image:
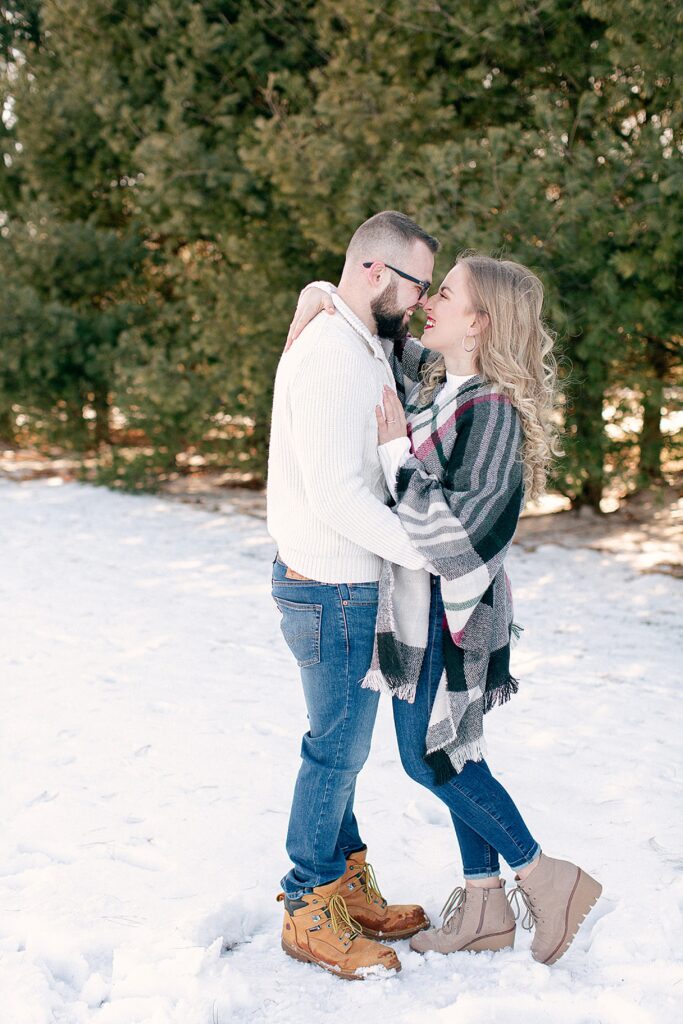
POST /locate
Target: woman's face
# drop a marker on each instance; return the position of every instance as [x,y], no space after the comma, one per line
[450,314]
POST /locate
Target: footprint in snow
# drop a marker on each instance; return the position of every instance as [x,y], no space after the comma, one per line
[235,922]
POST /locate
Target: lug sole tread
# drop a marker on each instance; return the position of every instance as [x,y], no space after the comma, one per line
[306,958]
[594,890]
[482,944]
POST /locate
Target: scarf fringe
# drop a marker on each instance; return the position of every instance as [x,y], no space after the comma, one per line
[515,634]
[377,681]
[445,766]
[501,694]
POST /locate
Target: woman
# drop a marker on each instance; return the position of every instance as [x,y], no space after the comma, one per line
[476,436]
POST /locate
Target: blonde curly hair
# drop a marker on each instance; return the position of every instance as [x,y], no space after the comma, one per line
[515,355]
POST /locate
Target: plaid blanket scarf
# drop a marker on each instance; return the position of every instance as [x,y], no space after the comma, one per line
[460,493]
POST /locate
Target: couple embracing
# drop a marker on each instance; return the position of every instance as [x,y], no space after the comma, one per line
[397,472]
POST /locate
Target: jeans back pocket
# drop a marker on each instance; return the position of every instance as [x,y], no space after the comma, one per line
[300,625]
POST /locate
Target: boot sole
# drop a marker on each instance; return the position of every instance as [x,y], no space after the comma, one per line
[307,958]
[585,895]
[395,936]
[492,943]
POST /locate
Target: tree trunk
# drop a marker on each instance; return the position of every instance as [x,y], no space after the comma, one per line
[590,493]
[101,407]
[651,439]
[590,441]
[7,425]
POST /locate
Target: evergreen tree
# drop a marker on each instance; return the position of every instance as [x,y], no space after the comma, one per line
[174,172]
[504,128]
[125,141]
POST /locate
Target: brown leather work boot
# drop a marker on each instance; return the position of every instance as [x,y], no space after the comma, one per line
[557,896]
[318,929]
[474,919]
[377,918]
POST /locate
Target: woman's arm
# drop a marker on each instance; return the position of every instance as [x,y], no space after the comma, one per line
[406,358]
[392,437]
[392,455]
[313,299]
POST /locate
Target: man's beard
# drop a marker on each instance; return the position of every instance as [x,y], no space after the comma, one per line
[389,320]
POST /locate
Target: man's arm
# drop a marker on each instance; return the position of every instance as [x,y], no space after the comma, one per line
[331,402]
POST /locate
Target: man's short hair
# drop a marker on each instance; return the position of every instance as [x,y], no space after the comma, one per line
[388,236]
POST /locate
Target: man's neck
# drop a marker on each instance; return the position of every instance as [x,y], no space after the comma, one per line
[358,306]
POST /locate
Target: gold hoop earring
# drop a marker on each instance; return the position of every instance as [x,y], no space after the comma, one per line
[465,346]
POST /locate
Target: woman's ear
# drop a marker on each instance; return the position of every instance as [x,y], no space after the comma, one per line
[479,324]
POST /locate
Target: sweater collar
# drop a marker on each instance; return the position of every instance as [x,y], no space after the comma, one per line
[371,340]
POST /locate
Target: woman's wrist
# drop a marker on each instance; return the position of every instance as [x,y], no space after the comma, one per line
[400,444]
[323,286]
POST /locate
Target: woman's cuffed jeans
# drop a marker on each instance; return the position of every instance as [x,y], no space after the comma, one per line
[486,821]
[330,630]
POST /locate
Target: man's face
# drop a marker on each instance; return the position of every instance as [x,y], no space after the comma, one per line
[390,318]
[393,308]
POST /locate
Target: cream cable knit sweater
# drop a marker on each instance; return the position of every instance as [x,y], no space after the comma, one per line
[326,491]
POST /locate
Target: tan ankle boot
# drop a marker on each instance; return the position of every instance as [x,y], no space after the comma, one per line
[475,919]
[557,896]
[317,929]
[377,918]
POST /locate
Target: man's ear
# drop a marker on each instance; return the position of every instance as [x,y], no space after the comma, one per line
[375,272]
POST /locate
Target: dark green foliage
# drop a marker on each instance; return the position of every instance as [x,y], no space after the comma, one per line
[134,240]
[175,171]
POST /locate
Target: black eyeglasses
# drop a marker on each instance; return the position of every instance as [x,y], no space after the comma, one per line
[424,285]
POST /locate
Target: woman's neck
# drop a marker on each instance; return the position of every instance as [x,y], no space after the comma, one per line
[460,364]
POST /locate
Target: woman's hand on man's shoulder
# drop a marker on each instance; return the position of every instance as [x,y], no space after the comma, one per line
[312,300]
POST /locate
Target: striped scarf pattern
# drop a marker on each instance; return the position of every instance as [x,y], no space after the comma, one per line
[460,494]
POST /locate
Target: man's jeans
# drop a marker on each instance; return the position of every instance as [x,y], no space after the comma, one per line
[486,820]
[330,630]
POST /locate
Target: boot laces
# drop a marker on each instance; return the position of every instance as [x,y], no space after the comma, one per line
[341,919]
[453,909]
[530,911]
[368,881]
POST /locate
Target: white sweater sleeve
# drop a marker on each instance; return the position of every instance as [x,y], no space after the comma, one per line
[324,286]
[392,455]
[330,402]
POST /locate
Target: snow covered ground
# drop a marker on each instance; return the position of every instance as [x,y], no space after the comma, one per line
[149,739]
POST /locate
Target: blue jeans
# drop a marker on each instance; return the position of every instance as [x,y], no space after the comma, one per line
[330,629]
[487,822]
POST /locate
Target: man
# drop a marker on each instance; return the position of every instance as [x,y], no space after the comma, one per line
[327,512]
